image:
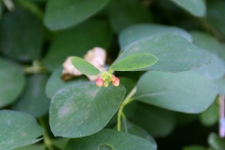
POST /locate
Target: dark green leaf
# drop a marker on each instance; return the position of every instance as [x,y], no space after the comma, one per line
[195,7]
[84,67]
[141,31]
[78,111]
[174,53]
[34,101]
[21,36]
[67,13]
[108,140]
[55,83]
[17,129]
[60,143]
[216,142]
[195,147]
[135,62]
[122,14]
[77,41]
[31,147]
[12,81]
[186,92]
[156,121]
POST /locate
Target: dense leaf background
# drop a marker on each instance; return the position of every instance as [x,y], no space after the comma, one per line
[168,54]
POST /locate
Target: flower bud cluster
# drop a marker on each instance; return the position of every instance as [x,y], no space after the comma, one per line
[106,78]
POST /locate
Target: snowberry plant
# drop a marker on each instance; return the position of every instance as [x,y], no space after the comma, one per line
[112,75]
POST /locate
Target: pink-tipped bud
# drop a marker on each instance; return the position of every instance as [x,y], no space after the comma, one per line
[113,78]
[99,82]
[116,82]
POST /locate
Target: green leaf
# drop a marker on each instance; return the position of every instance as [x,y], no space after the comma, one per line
[221,85]
[141,31]
[83,109]
[60,143]
[130,128]
[84,67]
[34,101]
[55,83]
[77,41]
[215,70]
[109,139]
[195,7]
[122,14]
[216,142]
[17,129]
[67,13]
[195,147]
[210,116]
[128,83]
[174,53]
[134,62]
[216,15]
[12,76]
[21,36]
[156,121]
[207,42]
[31,147]
[186,92]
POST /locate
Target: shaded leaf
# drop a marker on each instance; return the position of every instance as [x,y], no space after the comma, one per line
[108,139]
[21,36]
[31,147]
[122,14]
[174,53]
[77,41]
[186,92]
[156,121]
[34,101]
[195,7]
[134,62]
[195,147]
[84,67]
[18,129]
[78,111]
[12,81]
[141,31]
[67,13]
[216,142]
[60,143]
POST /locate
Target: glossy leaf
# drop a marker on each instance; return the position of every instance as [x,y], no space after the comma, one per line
[34,101]
[12,76]
[211,115]
[122,14]
[67,13]
[130,128]
[108,139]
[216,142]
[17,129]
[79,111]
[195,7]
[84,67]
[21,35]
[134,62]
[186,92]
[156,121]
[55,83]
[141,31]
[216,15]
[77,41]
[174,53]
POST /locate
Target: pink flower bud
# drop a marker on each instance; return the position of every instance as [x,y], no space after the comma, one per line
[116,82]
[99,82]
[113,78]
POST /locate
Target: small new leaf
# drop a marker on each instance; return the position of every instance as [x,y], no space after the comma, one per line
[84,67]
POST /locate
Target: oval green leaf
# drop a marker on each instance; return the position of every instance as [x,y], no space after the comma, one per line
[108,140]
[195,7]
[17,130]
[83,110]
[216,142]
[34,101]
[186,92]
[174,53]
[134,62]
[12,76]
[84,67]
[67,13]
